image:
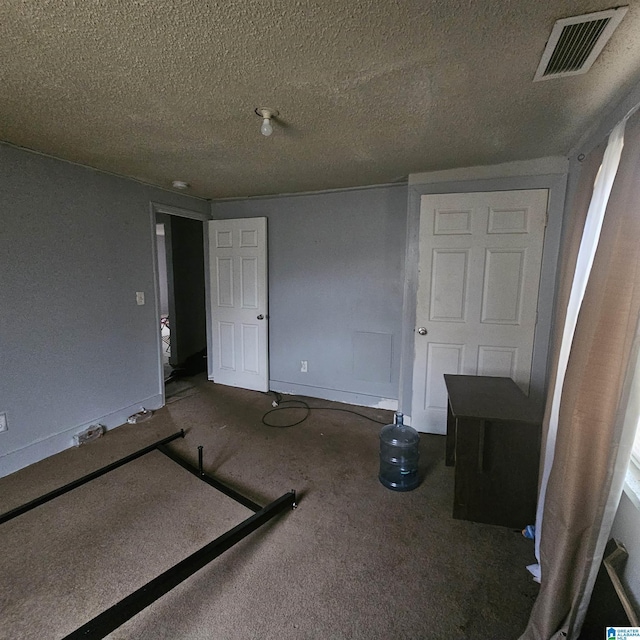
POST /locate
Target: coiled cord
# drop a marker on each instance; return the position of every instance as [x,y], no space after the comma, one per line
[301,404]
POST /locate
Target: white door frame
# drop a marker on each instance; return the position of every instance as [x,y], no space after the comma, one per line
[544,173]
[480,318]
[154,209]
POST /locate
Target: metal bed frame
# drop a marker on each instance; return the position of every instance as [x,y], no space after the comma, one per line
[118,614]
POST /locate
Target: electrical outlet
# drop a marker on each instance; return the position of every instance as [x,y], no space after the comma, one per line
[3,422]
[91,433]
[304,366]
[140,297]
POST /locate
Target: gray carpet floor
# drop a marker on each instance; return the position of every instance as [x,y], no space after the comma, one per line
[354,560]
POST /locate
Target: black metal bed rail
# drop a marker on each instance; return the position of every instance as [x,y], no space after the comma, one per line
[216,484]
[118,614]
[18,511]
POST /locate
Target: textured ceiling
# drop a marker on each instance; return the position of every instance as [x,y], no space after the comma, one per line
[368,90]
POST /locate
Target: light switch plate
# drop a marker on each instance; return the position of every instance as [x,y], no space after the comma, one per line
[140,297]
[3,422]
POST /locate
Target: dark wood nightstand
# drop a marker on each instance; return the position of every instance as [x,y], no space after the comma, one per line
[493,439]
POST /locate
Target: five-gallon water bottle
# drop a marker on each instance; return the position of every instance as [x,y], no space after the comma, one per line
[399,455]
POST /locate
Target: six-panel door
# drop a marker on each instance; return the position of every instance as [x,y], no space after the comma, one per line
[238,303]
[480,259]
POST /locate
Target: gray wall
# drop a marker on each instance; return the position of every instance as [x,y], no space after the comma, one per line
[335,290]
[75,246]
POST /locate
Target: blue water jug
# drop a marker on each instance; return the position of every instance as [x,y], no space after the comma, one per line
[399,454]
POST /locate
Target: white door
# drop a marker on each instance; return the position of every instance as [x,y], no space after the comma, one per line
[480,259]
[238,300]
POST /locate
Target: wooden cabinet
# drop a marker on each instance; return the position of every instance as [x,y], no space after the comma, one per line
[493,439]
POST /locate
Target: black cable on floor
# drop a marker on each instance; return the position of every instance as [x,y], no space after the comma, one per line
[301,404]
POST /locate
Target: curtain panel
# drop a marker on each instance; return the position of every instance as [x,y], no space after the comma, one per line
[585,481]
[570,246]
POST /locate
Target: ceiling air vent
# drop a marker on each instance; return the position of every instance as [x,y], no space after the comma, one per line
[576,42]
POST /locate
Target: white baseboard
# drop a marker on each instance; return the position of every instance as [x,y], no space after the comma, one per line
[348,397]
[55,443]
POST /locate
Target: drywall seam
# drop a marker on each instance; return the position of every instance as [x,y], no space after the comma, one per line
[103,171]
[520,168]
[271,196]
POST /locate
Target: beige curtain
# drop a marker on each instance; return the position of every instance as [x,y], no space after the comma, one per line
[585,477]
[570,246]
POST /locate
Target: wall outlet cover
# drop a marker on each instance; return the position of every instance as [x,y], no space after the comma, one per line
[91,433]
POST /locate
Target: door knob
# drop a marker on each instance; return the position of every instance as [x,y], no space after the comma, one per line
[422,331]
[260,317]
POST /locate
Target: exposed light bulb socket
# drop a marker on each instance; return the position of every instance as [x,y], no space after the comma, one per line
[266,114]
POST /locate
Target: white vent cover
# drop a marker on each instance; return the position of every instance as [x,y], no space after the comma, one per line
[576,42]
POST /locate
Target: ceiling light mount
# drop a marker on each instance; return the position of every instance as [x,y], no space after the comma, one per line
[267,114]
[180,184]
